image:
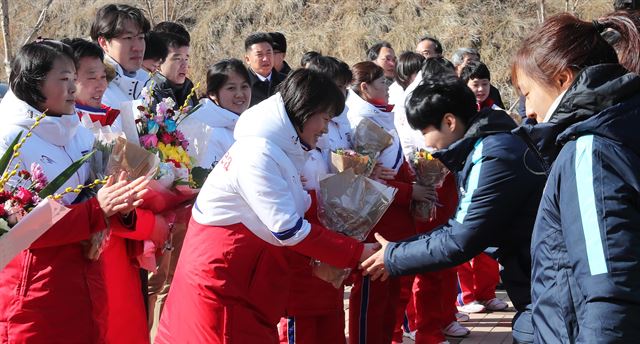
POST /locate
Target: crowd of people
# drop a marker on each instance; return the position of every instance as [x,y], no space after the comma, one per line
[543,202]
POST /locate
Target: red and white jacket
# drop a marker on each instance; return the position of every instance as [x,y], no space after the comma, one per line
[51,291]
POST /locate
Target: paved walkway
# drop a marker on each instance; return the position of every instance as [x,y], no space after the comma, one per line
[486,328]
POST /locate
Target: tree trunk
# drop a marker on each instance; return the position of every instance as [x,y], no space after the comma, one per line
[4,8]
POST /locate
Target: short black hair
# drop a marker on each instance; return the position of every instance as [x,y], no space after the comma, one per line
[174,28]
[279,41]
[31,66]
[172,40]
[306,92]
[436,67]
[307,57]
[257,37]
[374,50]
[409,63]
[83,48]
[434,41]
[110,19]
[474,70]
[335,69]
[438,96]
[156,47]
[218,74]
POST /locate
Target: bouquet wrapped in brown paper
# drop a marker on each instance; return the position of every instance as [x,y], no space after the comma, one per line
[429,172]
[350,204]
[370,139]
[344,159]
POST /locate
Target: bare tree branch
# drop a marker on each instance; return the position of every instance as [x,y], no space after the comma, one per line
[39,23]
[151,14]
[5,35]
[165,10]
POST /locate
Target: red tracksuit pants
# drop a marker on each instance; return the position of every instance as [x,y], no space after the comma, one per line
[430,308]
[478,279]
[326,328]
[230,287]
[373,309]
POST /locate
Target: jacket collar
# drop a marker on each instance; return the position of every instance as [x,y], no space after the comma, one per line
[55,130]
[486,122]
[595,89]
[362,108]
[269,120]
[214,116]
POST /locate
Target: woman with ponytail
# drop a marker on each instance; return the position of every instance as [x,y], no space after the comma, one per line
[585,252]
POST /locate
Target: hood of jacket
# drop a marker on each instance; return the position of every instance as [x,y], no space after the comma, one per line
[269,120]
[486,122]
[56,130]
[598,95]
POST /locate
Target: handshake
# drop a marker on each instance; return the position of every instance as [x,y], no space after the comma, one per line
[371,263]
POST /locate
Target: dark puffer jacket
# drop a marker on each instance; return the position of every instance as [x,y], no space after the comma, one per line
[501,184]
[586,241]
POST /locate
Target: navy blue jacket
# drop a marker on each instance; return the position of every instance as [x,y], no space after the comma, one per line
[502,182]
[586,240]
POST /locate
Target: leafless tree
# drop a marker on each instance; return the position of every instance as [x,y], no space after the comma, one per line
[6,36]
[39,23]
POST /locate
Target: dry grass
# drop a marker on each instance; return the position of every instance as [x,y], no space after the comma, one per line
[340,28]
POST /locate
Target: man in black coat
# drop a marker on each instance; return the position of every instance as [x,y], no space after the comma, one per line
[259,57]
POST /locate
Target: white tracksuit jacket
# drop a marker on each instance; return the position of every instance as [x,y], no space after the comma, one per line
[257,182]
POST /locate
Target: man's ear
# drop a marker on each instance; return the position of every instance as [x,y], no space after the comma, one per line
[564,79]
[450,122]
[103,43]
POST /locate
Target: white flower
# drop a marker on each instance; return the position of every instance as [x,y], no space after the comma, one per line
[4,226]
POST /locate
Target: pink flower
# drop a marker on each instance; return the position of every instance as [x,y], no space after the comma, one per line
[149,141]
[38,177]
[23,195]
[161,108]
[159,118]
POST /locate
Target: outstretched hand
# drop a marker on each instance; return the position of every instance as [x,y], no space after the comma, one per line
[374,265]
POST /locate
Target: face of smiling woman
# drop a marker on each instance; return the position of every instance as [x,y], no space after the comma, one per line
[314,127]
[59,88]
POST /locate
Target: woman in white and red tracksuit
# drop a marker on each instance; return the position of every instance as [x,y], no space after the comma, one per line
[372,305]
[53,291]
[232,279]
[315,308]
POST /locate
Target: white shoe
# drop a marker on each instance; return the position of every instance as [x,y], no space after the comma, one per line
[495,304]
[456,330]
[445,342]
[411,335]
[462,317]
[473,307]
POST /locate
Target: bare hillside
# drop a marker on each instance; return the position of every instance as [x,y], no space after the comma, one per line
[342,28]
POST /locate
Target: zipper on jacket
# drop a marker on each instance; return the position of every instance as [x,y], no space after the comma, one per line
[532,146]
[24,277]
[80,181]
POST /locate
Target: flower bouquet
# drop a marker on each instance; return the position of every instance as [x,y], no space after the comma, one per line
[370,139]
[429,172]
[344,159]
[350,204]
[28,203]
[174,188]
